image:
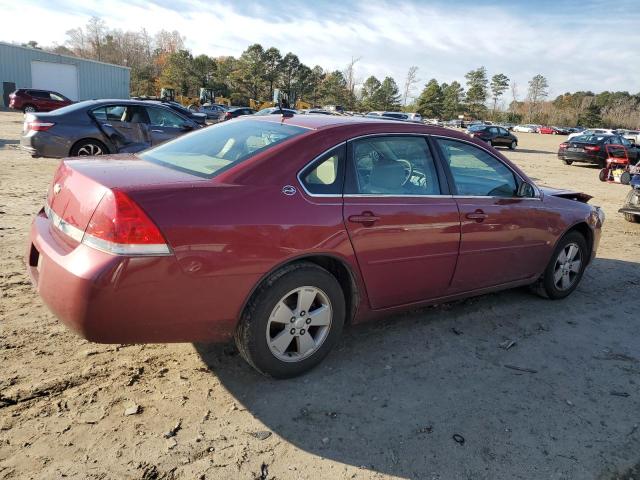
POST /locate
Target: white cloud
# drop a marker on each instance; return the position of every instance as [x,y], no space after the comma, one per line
[577,47]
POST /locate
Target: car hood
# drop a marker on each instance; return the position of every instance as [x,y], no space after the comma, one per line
[568,194]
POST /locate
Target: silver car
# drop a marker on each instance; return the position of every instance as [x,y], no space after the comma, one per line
[98,127]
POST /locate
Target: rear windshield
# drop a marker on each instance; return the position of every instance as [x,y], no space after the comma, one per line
[209,151]
[477,128]
[588,138]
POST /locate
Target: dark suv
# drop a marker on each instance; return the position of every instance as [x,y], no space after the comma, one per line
[31,100]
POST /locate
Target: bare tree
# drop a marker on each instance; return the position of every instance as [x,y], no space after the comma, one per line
[514,96]
[412,79]
[350,74]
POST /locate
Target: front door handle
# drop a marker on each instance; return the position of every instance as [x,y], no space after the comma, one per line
[365,218]
[157,131]
[478,215]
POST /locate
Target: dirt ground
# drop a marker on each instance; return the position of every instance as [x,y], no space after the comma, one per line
[385,404]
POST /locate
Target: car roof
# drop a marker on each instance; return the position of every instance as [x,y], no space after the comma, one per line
[317,121]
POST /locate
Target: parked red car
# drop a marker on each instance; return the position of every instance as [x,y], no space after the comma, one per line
[547,130]
[32,100]
[278,231]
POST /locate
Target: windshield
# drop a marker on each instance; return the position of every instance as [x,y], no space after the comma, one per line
[212,150]
[476,128]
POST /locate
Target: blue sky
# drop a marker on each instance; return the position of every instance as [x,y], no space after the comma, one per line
[577,45]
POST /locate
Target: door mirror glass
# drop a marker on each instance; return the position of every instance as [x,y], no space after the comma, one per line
[526,190]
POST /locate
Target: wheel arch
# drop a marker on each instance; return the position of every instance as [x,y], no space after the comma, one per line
[74,144]
[335,265]
[585,230]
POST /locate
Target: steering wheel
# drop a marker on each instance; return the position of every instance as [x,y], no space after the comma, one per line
[408,168]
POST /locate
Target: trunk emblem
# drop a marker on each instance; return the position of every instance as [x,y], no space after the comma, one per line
[57,188]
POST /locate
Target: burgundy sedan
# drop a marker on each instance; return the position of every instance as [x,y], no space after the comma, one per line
[278,231]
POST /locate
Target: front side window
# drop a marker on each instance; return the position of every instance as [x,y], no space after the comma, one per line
[211,150]
[163,117]
[325,175]
[475,172]
[392,165]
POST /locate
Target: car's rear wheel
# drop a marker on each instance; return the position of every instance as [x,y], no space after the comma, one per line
[513,145]
[292,322]
[567,162]
[630,217]
[29,108]
[565,269]
[88,147]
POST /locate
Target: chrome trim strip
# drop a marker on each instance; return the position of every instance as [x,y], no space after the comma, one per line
[62,225]
[159,249]
[155,249]
[386,195]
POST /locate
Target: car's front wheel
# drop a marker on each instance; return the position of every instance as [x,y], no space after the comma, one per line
[292,322]
[513,145]
[565,269]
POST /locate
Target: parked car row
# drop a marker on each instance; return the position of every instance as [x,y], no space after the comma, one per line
[595,148]
[494,135]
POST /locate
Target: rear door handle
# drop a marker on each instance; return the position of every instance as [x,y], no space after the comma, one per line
[366,218]
[158,131]
[478,215]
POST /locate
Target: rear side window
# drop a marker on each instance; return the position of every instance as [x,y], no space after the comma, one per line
[211,150]
[39,94]
[325,175]
[475,172]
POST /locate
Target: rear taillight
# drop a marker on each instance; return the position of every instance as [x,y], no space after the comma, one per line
[564,145]
[228,116]
[120,226]
[592,148]
[39,126]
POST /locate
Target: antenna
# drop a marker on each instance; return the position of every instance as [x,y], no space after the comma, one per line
[277,98]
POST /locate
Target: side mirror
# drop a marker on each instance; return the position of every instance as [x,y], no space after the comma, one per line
[526,190]
[185,127]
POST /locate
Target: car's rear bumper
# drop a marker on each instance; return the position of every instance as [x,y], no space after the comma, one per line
[579,157]
[45,144]
[118,299]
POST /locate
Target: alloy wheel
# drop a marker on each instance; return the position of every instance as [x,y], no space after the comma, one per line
[567,266]
[299,324]
[29,109]
[90,149]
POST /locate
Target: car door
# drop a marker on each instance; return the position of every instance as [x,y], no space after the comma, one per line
[166,125]
[632,150]
[504,236]
[505,137]
[124,126]
[403,223]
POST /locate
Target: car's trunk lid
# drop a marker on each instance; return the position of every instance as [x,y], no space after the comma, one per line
[79,184]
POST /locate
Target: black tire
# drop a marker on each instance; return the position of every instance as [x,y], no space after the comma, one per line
[251,334]
[546,286]
[603,175]
[29,108]
[513,145]
[630,217]
[567,162]
[84,147]
[625,178]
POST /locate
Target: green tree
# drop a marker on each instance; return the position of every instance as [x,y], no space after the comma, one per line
[177,72]
[591,117]
[499,85]
[333,90]
[371,94]
[289,67]
[272,68]
[452,100]
[389,94]
[430,102]
[538,91]
[203,70]
[249,74]
[477,91]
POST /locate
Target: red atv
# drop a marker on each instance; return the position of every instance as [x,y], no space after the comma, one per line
[617,169]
